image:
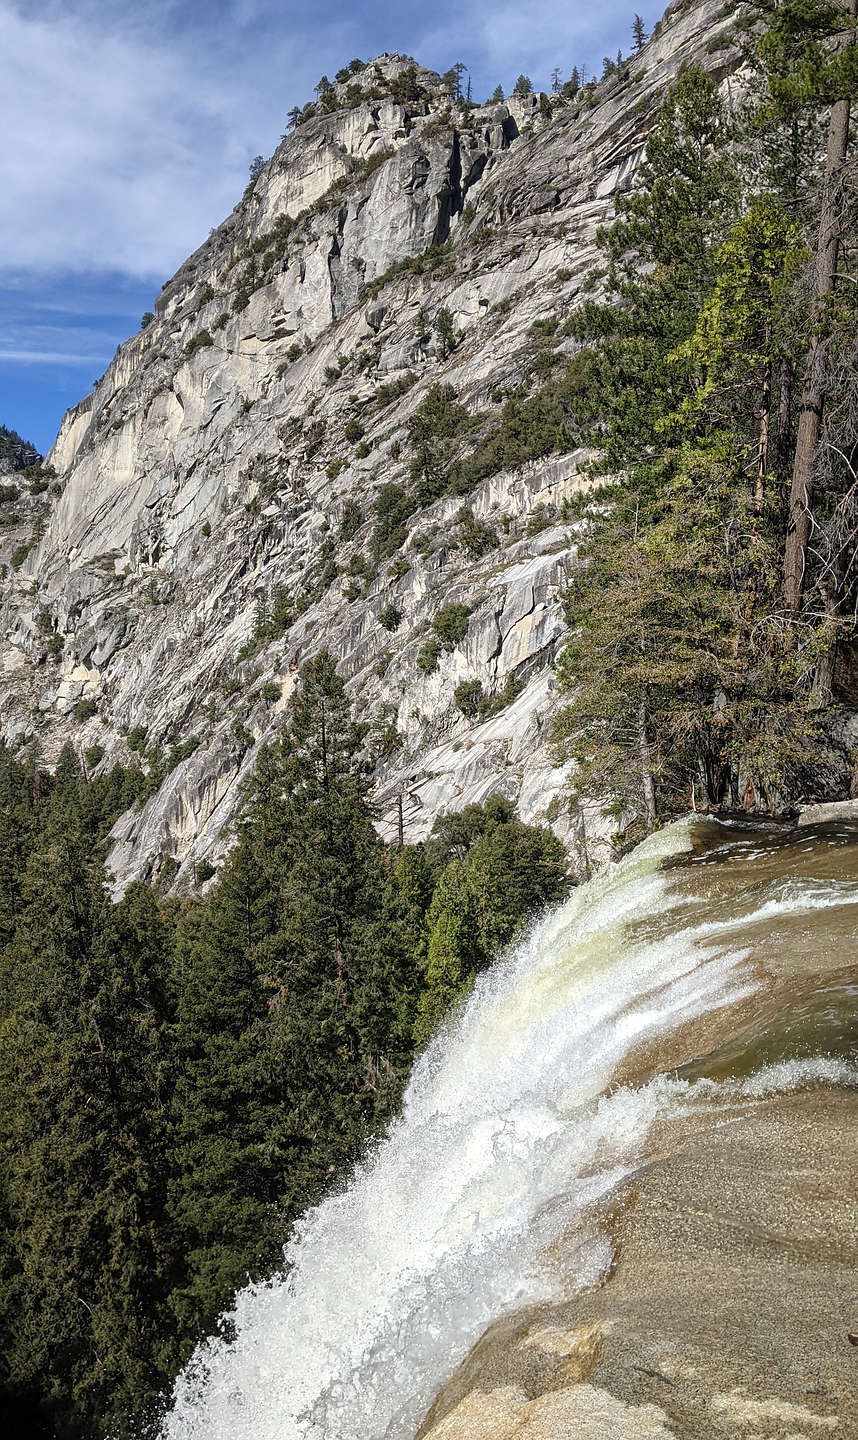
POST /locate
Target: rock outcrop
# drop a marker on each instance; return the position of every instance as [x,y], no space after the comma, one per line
[728,1312]
[729,1306]
[241,452]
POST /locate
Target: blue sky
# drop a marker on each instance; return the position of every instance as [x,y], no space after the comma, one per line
[128,127]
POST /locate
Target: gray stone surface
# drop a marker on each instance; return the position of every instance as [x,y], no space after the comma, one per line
[834,810]
[196,477]
[727,1312]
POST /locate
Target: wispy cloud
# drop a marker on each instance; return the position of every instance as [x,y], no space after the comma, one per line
[125,138]
[128,126]
[43,357]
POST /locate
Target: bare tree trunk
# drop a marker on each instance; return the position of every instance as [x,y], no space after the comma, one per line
[824,677]
[645,754]
[763,433]
[816,363]
[784,406]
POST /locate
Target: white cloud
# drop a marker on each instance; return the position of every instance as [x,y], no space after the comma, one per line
[122,145]
[45,357]
[128,124]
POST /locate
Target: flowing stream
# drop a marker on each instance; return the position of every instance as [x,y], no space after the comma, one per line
[511,1128]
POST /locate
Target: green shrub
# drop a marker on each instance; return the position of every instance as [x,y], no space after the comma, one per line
[85,709]
[201,341]
[359,565]
[530,426]
[391,390]
[93,755]
[438,423]
[493,872]
[450,625]
[539,520]
[269,692]
[428,655]
[477,537]
[438,258]
[314,438]
[335,468]
[390,617]
[180,751]
[351,520]
[393,506]
[354,431]
[469,697]
[136,738]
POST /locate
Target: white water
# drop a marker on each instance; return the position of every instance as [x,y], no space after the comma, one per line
[507,1138]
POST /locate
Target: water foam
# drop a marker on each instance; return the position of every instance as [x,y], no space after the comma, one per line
[506,1140]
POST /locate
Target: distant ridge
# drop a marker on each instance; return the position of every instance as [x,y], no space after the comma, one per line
[15,452]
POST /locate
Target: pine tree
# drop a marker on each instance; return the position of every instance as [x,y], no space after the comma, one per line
[452,79]
[805,65]
[283,1003]
[831,77]
[84,1097]
[19,797]
[661,258]
[501,872]
[639,35]
[660,255]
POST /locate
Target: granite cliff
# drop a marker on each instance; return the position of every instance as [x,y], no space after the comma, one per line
[233,494]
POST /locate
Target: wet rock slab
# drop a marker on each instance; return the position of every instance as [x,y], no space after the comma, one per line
[729,1307]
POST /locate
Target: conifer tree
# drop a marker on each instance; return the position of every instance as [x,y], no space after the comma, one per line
[84,1096]
[661,258]
[502,873]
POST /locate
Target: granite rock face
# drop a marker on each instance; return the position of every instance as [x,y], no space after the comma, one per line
[728,1312]
[235,447]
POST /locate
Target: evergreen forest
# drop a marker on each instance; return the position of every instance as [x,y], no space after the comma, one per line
[179,1080]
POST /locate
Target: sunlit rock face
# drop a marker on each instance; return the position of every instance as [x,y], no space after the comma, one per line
[217,460]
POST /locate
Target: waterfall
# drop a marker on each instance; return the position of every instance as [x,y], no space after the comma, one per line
[510,1132]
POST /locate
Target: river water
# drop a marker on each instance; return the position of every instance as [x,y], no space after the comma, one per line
[723,953]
